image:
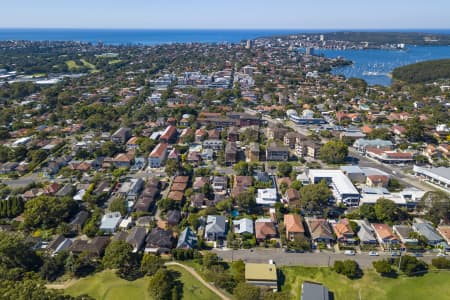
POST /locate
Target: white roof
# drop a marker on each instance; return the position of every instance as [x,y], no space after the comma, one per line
[266,196]
[341,182]
[243,225]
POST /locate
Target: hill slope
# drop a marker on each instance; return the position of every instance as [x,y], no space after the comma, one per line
[423,72]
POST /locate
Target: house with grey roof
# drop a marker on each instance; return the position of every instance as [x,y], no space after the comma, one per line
[215,228]
[187,239]
[110,221]
[362,144]
[404,233]
[425,229]
[366,234]
[136,238]
[314,291]
[244,225]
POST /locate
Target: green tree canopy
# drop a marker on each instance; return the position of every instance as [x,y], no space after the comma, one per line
[333,152]
[48,212]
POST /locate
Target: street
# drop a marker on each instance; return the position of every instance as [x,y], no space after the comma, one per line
[282,258]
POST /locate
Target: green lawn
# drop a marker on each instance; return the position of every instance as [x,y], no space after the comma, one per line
[107,286]
[114,61]
[371,287]
[72,65]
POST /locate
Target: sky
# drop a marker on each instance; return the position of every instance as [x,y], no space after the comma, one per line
[229,14]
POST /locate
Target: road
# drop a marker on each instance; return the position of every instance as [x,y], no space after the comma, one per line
[217,291]
[281,258]
[363,161]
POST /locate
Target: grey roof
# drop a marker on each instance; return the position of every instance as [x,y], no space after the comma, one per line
[314,291]
[137,236]
[427,231]
[215,223]
[365,232]
[187,239]
[352,170]
[243,226]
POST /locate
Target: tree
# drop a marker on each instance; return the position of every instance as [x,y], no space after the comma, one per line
[160,285]
[118,204]
[436,205]
[367,211]
[172,167]
[209,259]
[150,264]
[333,152]
[48,211]
[117,254]
[314,196]
[380,133]
[386,210]
[109,149]
[383,267]
[441,263]
[246,200]
[243,169]
[284,169]
[296,185]
[411,266]
[245,291]
[415,130]
[349,268]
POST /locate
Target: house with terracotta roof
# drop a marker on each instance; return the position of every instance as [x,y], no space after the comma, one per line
[385,235]
[444,231]
[264,229]
[390,157]
[132,143]
[169,135]
[158,156]
[294,227]
[381,181]
[344,233]
[123,160]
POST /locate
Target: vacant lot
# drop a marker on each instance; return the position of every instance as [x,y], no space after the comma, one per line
[371,286]
[107,286]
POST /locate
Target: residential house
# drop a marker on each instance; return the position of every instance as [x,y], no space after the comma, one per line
[427,230]
[294,227]
[267,196]
[404,233]
[320,230]
[385,235]
[344,232]
[169,135]
[242,226]
[136,238]
[215,228]
[366,234]
[187,239]
[293,198]
[215,145]
[314,291]
[232,134]
[264,229]
[110,221]
[158,156]
[381,181]
[262,275]
[132,143]
[95,246]
[252,152]
[200,182]
[77,223]
[220,184]
[121,136]
[173,217]
[58,244]
[277,153]
[230,153]
[444,231]
[123,160]
[159,241]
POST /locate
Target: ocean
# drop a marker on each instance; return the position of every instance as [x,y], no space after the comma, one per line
[371,65]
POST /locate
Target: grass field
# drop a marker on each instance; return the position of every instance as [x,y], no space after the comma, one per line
[107,286]
[371,286]
[72,65]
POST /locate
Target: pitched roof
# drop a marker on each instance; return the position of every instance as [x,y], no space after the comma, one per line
[293,223]
[187,239]
[264,228]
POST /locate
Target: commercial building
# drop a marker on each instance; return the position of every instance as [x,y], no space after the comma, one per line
[343,189]
[439,176]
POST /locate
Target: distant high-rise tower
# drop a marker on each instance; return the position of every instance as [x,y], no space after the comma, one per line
[249,44]
[309,51]
[322,38]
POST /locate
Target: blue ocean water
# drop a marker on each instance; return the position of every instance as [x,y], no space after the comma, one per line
[371,65]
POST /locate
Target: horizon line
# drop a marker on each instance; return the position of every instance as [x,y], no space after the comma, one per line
[211,29]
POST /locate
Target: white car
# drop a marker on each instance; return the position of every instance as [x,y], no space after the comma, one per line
[441,254]
[349,252]
[373,253]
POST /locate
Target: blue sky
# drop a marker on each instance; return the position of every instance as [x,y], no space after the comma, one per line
[229,14]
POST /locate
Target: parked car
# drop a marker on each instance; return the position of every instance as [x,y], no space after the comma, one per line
[349,252]
[441,254]
[373,253]
[418,254]
[395,253]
